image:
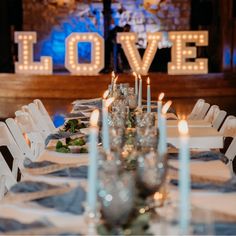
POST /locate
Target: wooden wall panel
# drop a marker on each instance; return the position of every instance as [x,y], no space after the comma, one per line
[66,86]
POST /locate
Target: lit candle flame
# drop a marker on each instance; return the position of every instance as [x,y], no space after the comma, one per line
[139,76]
[105,95]
[148,81]
[135,74]
[183,127]
[181,116]
[166,107]
[109,101]
[94,118]
[161,96]
[158,196]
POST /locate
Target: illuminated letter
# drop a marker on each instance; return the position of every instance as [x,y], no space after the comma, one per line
[26,65]
[138,65]
[97,51]
[180,52]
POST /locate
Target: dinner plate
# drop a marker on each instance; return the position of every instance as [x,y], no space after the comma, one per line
[83,108]
[85,131]
[64,158]
[84,101]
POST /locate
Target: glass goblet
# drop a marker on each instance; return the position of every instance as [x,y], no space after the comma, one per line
[151,173]
[117,198]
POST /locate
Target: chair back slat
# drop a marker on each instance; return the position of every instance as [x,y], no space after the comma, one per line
[228,129]
[202,112]
[33,133]
[20,139]
[212,113]
[45,114]
[218,119]
[6,139]
[196,109]
[7,179]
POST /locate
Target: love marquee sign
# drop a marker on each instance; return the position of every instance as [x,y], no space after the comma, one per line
[180,53]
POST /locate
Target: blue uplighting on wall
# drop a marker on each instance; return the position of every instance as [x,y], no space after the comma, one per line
[234,58]
[58,120]
[54,44]
[227,56]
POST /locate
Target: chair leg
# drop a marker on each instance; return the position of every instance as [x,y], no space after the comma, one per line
[2,186]
[15,167]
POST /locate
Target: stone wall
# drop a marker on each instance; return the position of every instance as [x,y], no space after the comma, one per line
[54,20]
[42,15]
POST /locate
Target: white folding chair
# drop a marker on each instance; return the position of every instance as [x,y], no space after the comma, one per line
[213,111]
[218,119]
[7,179]
[196,109]
[231,154]
[27,127]
[45,114]
[202,112]
[20,138]
[37,119]
[6,139]
[228,129]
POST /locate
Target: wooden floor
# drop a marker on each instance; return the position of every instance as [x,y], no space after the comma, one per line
[58,91]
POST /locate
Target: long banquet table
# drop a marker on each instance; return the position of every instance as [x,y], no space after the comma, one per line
[222,205]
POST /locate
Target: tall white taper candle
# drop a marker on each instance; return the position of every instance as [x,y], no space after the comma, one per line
[93,154]
[148,95]
[159,108]
[162,146]
[140,93]
[105,125]
[184,178]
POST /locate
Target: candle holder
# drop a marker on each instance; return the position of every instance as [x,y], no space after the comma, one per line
[146,138]
[116,138]
[131,98]
[145,119]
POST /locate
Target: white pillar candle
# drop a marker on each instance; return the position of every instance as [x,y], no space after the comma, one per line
[140,93]
[159,108]
[105,125]
[148,95]
[93,154]
[162,145]
[184,178]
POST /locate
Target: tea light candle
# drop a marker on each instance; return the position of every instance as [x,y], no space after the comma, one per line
[140,92]
[162,146]
[92,171]
[184,178]
[159,108]
[148,95]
